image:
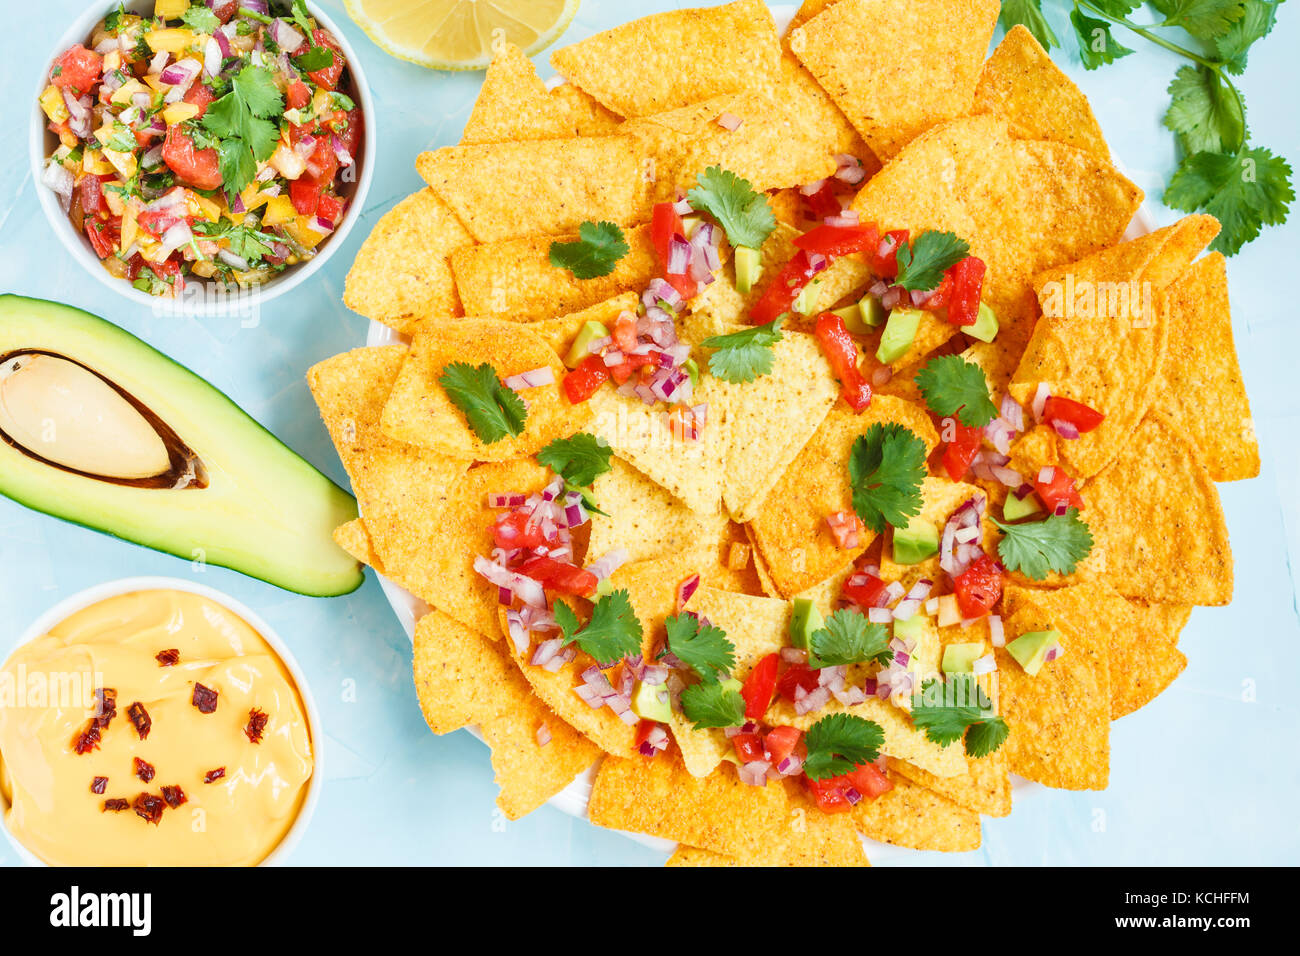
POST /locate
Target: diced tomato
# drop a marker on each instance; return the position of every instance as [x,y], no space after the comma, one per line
[297,95]
[832,794]
[330,207]
[684,424]
[869,781]
[778,298]
[961,451]
[77,70]
[1081,416]
[847,529]
[513,530]
[304,193]
[780,743]
[194,167]
[158,221]
[939,297]
[884,259]
[103,236]
[1057,492]
[350,138]
[665,223]
[797,675]
[322,164]
[92,194]
[199,95]
[825,202]
[581,383]
[829,795]
[168,267]
[225,9]
[967,287]
[623,371]
[842,352]
[865,593]
[978,587]
[643,729]
[759,687]
[559,576]
[326,77]
[624,333]
[749,747]
[839,240]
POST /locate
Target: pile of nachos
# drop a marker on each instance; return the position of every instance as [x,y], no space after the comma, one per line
[786,429]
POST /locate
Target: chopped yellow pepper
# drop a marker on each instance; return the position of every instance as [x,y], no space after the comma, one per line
[279,209]
[171,39]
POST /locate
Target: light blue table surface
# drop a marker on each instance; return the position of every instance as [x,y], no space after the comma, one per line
[1207,774]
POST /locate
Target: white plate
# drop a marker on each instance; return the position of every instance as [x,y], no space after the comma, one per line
[573,799]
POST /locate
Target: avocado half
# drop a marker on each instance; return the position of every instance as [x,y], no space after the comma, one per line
[100,429]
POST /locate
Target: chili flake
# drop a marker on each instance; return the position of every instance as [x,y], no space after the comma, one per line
[139,718]
[87,740]
[149,808]
[144,770]
[98,784]
[169,657]
[105,706]
[212,775]
[174,796]
[205,698]
[257,719]
[115,804]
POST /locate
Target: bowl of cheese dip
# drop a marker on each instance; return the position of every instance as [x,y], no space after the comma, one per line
[155,722]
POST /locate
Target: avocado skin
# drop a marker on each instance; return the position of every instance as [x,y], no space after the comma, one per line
[266,512]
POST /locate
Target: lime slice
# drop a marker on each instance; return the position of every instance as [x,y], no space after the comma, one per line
[460,34]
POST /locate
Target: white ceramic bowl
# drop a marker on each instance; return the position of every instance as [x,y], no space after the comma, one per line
[43,142]
[100,592]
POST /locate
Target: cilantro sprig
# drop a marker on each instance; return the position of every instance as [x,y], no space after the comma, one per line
[743,213]
[952,386]
[1246,187]
[838,743]
[1035,548]
[744,355]
[594,253]
[242,123]
[949,711]
[612,633]
[493,410]
[848,638]
[703,648]
[886,468]
[579,459]
[713,705]
[922,264]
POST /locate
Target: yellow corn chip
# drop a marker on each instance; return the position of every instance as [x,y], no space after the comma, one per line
[560,332]
[1200,389]
[586,116]
[791,531]
[694,856]
[420,412]
[719,308]
[353,538]
[661,62]
[1021,83]
[892,66]
[910,815]
[985,787]
[509,190]
[401,274]
[644,519]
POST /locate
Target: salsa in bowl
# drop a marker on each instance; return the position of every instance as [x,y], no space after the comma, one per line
[220,141]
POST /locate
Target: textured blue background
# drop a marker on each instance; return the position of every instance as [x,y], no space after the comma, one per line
[1206,774]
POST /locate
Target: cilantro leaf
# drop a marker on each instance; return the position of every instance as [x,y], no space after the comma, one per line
[1255,24]
[1056,543]
[200,19]
[242,121]
[840,742]
[579,460]
[493,410]
[594,253]
[745,215]
[316,58]
[713,705]
[947,712]
[1244,192]
[235,163]
[703,648]
[1203,19]
[1204,111]
[1097,46]
[953,386]
[743,356]
[886,467]
[849,638]
[1029,13]
[921,266]
[613,633]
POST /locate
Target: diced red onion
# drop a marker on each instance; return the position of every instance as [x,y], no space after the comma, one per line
[533,378]
[211,57]
[609,563]
[729,121]
[286,37]
[543,734]
[985,665]
[1067,430]
[996,634]
[59,179]
[341,153]
[679,256]
[794,655]
[182,72]
[808,189]
[685,590]
[1041,395]
[754,773]
[849,169]
[845,219]
[1046,474]
[683,207]
[1012,413]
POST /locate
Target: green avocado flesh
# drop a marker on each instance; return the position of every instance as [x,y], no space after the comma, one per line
[143,449]
[900,331]
[916,542]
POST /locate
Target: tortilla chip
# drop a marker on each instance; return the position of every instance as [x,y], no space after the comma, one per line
[462,678]
[353,538]
[1021,83]
[661,62]
[694,856]
[1102,337]
[805,98]
[515,279]
[513,104]
[791,531]
[586,116]
[984,788]
[509,190]
[401,272]
[719,308]
[1201,390]
[560,331]
[760,826]
[910,815]
[1059,718]
[420,412]
[644,519]
[1156,521]
[807,10]
[401,490]
[897,67]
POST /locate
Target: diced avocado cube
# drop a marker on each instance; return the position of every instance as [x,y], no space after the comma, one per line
[646,702]
[731,684]
[918,541]
[1013,509]
[986,325]
[849,315]
[749,267]
[805,620]
[912,629]
[870,312]
[1030,650]
[961,658]
[806,303]
[604,586]
[897,337]
[580,349]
